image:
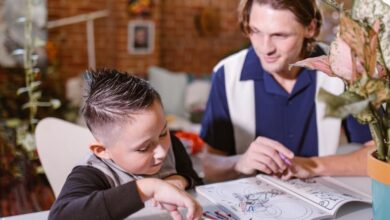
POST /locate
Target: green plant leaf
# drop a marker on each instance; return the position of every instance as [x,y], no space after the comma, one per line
[36,95]
[334,4]
[21,90]
[365,117]
[55,103]
[13,122]
[32,86]
[343,105]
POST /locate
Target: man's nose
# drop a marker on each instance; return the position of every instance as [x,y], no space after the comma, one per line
[268,46]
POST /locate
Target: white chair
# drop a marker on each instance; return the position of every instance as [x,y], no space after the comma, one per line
[61,145]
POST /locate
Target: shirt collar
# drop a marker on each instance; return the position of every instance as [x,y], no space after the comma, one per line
[252,69]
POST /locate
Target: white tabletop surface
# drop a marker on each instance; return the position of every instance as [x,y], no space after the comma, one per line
[351,211]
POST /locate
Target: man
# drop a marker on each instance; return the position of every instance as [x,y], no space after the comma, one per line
[260,114]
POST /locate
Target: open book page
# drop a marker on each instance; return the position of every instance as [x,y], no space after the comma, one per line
[252,198]
[325,193]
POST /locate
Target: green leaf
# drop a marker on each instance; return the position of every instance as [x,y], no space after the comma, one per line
[13,122]
[365,116]
[55,103]
[343,105]
[334,4]
[32,86]
[35,84]
[21,90]
[36,95]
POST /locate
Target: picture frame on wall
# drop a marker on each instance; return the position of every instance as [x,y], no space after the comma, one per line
[141,37]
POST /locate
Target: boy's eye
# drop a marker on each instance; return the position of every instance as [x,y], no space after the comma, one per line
[144,149]
[165,133]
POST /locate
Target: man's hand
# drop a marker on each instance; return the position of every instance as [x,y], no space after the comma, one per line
[302,167]
[349,164]
[263,155]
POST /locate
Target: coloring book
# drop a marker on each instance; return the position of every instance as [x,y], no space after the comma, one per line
[266,197]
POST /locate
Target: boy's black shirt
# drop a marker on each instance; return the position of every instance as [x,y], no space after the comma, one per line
[87,193]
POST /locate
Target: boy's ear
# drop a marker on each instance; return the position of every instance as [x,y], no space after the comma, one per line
[99,150]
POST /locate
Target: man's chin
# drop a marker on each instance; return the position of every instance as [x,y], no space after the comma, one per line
[271,69]
[275,69]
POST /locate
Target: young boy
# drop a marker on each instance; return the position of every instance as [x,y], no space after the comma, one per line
[133,149]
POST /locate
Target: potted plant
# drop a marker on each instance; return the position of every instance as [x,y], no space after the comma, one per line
[362,62]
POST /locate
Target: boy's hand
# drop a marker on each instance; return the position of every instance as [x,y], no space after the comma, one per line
[169,197]
[178,181]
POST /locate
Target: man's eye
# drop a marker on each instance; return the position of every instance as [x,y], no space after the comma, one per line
[254,30]
[280,36]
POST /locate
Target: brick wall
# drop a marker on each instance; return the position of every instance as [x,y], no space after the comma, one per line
[178,44]
[183,48]
[71,40]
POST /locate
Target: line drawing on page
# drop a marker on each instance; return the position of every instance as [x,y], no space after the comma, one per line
[317,191]
[254,199]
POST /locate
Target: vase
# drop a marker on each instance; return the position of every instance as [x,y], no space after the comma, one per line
[379,171]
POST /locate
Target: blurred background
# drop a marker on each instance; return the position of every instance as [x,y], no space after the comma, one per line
[46,45]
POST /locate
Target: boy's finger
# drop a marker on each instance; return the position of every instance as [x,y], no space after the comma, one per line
[191,208]
[176,215]
[169,207]
[154,202]
[198,213]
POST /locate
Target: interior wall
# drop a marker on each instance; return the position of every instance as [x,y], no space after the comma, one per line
[179,46]
[185,47]
[70,41]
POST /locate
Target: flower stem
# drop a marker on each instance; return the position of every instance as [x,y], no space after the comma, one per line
[379,131]
[387,124]
[377,136]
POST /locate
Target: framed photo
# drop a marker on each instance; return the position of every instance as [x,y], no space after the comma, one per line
[140,37]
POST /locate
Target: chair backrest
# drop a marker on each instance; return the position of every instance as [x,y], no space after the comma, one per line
[61,145]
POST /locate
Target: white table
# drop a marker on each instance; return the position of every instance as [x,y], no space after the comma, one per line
[351,211]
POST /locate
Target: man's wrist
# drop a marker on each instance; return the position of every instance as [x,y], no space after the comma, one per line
[318,167]
[238,169]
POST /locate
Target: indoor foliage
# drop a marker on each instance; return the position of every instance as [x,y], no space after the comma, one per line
[356,57]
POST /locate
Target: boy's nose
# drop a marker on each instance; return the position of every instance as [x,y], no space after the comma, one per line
[160,152]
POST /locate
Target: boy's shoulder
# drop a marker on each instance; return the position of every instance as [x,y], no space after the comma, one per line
[86,174]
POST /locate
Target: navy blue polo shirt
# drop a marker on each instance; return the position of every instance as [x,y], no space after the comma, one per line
[287,118]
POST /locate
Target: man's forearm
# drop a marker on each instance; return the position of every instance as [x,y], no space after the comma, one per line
[217,167]
[351,164]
